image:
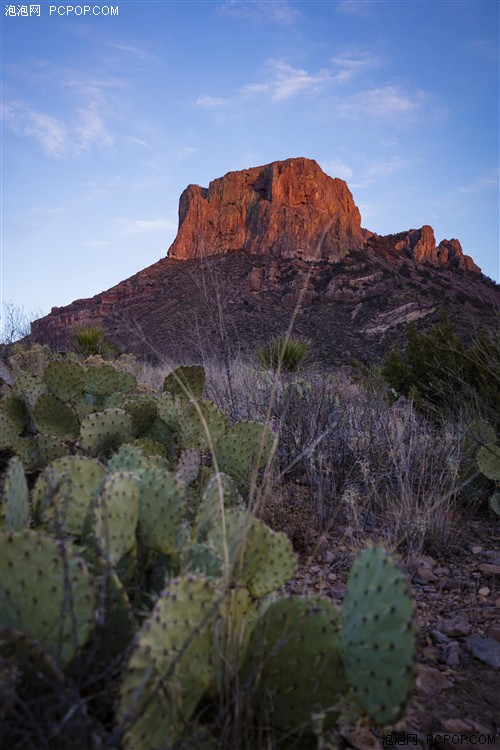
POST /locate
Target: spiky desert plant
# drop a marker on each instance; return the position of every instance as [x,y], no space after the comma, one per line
[91,339]
[284,354]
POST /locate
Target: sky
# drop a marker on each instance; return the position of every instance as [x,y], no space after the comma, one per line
[109,110]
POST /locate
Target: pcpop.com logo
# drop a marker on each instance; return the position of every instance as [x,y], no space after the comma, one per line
[83,10]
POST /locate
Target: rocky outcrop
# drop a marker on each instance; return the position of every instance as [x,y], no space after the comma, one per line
[282,240]
[289,209]
[420,245]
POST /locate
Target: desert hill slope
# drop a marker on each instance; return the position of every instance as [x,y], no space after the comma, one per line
[261,244]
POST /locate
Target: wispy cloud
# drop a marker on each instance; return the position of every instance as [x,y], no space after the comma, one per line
[486,182]
[352,63]
[209,102]
[279,12]
[49,132]
[128,49]
[384,103]
[285,82]
[354,7]
[379,168]
[337,168]
[137,226]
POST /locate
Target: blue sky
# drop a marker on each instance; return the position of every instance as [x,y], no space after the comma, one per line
[107,118]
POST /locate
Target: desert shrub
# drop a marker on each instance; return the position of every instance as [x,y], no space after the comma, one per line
[284,354]
[91,340]
[441,375]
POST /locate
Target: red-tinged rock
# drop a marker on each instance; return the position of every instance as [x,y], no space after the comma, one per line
[290,209]
[420,245]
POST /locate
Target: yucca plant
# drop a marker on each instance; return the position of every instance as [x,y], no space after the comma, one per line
[91,340]
[286,354]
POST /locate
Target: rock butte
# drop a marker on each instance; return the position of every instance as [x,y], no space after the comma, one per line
[266,241]
[288,209]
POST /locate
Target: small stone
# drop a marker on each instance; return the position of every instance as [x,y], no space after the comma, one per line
[439,637]
[455,626]
[486,650]
[361,739]
[476,550]
[490,570]
[456,725]
[452,656]
[329,557]
[494,632]
[431,681]
[484,591]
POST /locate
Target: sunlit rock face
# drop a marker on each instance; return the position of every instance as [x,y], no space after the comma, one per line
[420,245]
[289,209]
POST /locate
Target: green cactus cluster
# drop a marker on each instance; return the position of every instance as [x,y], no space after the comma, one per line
[480,442]
[133,552]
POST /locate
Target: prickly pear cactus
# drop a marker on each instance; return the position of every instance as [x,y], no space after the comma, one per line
[15,508]
[101,380]
[259,558]
[495,503]
[64,491]
[45,592]
[488,461]
[64,379]
[116,514]
[187,381]
[244,450]
[202,424]
[143,411]
[103,432]
[170,665]
[55,417]
[293,663]
[187,466]
[377,636]
[162,507]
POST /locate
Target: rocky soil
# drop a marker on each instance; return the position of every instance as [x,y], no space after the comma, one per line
[457,599]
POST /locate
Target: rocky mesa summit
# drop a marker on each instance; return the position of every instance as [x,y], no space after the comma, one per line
[266,240]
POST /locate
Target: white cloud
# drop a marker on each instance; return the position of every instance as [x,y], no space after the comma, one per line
[210,101]
[354,7]
[131,226]
[381,168]
[337,168]
[49,132]
[354,62]
[487,182]
[285,82]
[384,103]
[279,12]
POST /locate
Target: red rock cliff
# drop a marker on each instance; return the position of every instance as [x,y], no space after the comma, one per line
[420,245]
[290,209]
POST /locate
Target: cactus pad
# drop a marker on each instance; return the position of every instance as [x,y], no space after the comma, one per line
[103,432]
[170,665]
[56,418]
[64,379]
[46,592]
[187,381]
[161,509]
[202,424]
[377,636]
[488,461]
[293,662]
[15,507]
[116,514]
[260,559]
[244,450]
[188,466]
[64,492]
[101,380]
